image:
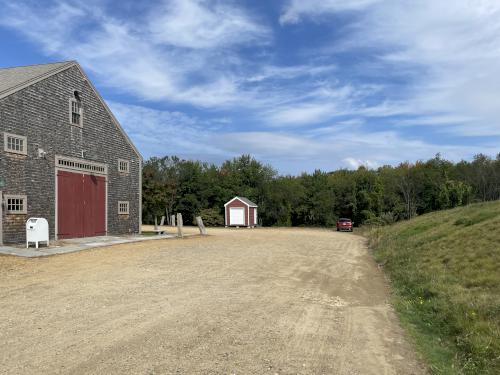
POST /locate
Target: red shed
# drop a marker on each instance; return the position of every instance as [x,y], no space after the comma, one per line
[241,212]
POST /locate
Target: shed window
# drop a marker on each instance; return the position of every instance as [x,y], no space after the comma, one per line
[15,144]
[123,207]
[16,204]
[76,115]
[123,166]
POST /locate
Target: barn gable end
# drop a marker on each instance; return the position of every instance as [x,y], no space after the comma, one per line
[39,110]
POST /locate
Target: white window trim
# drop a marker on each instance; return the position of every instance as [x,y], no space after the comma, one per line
[25,205]
[127,162]
[25,141]
[122,203]
[71,100]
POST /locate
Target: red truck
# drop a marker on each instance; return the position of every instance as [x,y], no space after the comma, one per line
[344,224]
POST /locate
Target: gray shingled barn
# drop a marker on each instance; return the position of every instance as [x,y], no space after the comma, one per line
[64,156]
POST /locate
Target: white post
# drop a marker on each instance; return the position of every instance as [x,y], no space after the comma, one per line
[179,225]
[201,226]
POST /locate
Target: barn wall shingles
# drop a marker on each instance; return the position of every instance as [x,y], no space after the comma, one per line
[41,113]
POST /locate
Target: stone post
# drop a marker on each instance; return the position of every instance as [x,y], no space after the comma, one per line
[179,226]
[201,226]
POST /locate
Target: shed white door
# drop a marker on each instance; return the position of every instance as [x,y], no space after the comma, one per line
[255,216]
[237,215]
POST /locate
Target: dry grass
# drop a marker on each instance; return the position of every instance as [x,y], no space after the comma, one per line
[445,269]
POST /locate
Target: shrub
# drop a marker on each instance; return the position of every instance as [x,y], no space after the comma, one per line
[384,219]
[211,217]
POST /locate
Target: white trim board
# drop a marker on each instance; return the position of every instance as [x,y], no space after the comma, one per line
[84,166]
[238,198]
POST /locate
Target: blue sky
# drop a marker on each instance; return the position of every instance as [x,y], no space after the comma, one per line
[298,84]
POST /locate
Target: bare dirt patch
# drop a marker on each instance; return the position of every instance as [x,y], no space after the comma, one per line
[264,301]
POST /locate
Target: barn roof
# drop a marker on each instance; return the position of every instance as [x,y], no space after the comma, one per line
[17,78]
[247,201]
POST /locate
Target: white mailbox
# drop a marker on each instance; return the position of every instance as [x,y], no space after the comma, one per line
[37,230]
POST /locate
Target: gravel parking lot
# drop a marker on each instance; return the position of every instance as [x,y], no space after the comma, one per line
[240,301]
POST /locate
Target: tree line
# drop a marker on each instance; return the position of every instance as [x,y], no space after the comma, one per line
[376,196]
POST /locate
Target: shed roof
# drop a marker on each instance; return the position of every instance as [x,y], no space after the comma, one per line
[247,201]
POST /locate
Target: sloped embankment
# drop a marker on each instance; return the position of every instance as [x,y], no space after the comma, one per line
[445,271]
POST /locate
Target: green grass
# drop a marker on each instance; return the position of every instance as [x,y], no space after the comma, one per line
[148,233]
[445,272]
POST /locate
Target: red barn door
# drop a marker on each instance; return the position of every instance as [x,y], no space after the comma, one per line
[81,205]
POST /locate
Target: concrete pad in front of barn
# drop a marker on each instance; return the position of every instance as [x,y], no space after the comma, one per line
[78,244]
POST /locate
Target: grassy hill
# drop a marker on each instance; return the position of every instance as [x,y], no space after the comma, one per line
[445,272]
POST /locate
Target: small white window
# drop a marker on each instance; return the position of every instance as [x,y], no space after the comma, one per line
[123,207]
[16,204]
[75,111]
[16,144]
[123,166]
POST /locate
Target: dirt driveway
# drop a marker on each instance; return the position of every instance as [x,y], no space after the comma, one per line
[263,301]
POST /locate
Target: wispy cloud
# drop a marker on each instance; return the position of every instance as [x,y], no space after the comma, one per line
[369,82]
[345,144]
[34,22]
[448,53]
[288,72]
[303,114]
[160,132]
[295,10]
[182,52]
[454,48]
[356,163]
[156,57]
[198,24]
